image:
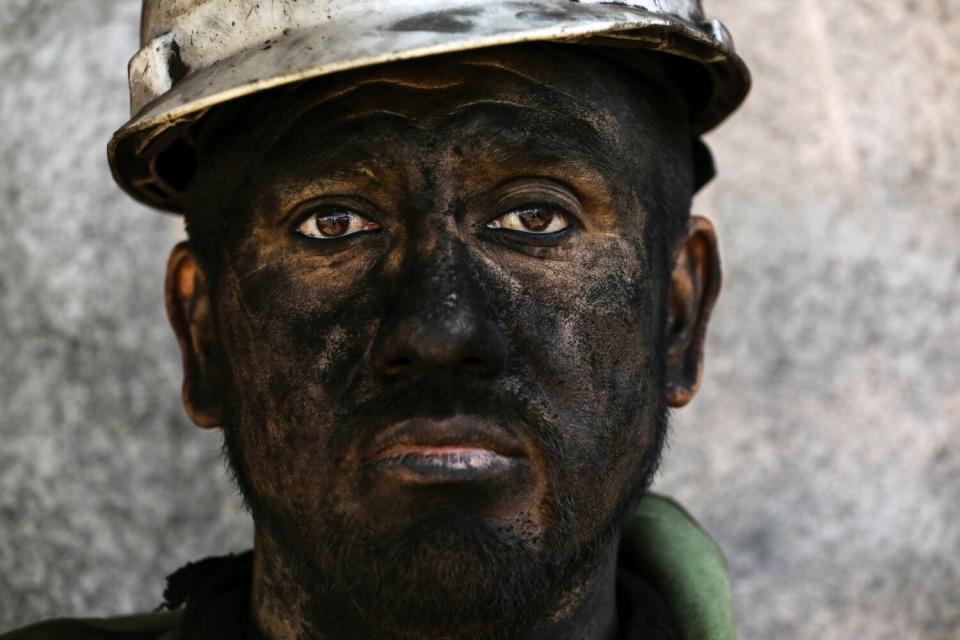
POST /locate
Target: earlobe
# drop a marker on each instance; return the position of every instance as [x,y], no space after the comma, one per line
[694,286]
[190,314]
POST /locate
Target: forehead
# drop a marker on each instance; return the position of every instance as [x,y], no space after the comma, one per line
[463,121]
[500,103]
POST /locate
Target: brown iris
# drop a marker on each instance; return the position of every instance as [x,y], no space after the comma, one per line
[535,219]
[333,224]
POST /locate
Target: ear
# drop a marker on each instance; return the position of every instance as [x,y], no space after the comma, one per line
[694,286]
[189,311]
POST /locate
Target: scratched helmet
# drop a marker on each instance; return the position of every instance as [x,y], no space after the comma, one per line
[196,54]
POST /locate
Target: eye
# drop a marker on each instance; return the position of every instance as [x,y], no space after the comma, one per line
[327,225]
[534,219]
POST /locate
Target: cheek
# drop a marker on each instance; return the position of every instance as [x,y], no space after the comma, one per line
[294,333]
[584,325]
[584,330]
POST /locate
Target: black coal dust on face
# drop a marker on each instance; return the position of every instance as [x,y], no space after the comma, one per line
[440,307]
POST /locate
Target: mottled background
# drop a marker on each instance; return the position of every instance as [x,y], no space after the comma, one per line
[822,452]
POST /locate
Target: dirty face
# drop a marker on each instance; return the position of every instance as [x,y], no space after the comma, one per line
[437,308]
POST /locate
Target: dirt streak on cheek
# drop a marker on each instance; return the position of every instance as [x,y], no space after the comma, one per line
[584,328]
[592,300]
[313,283]
[279,407]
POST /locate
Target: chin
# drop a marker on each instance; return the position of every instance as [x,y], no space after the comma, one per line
[446,570]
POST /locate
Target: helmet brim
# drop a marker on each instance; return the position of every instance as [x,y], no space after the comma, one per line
[376,38]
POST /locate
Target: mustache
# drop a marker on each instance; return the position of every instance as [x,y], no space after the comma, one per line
[517,408]
[515,404]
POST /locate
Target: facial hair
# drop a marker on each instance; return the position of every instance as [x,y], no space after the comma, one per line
[449,574]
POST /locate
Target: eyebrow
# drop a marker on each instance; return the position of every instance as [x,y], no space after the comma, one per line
[280,137]
[525,142]
[584,141]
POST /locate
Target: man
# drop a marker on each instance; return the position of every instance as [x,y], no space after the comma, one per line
[440,288]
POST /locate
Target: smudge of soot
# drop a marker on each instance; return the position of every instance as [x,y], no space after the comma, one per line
[175,64]
[452,21]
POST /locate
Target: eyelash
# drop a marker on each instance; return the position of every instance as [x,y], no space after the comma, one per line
[510,221]
[520,219]
[355,223]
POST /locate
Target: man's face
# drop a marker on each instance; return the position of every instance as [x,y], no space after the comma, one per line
[439,316]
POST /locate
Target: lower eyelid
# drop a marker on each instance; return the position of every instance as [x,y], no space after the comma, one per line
[522,241]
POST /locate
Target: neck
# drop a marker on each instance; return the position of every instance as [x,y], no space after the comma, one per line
[281,611]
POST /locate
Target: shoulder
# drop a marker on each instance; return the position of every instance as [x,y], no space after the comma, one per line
[670,549]
[150,626]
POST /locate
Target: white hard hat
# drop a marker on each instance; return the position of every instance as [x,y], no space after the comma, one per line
[197,54]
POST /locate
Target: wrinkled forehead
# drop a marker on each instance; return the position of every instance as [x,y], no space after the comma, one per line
[474,117]
[509,91]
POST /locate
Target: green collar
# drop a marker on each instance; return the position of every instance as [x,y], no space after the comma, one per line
[685,566]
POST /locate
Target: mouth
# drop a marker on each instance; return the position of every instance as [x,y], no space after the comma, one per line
[451,450]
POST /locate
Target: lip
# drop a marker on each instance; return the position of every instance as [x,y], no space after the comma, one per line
[461,448]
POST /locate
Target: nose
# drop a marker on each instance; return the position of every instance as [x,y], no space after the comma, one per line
[441,323]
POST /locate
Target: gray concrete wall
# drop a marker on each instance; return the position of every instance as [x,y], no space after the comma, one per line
[822,453]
